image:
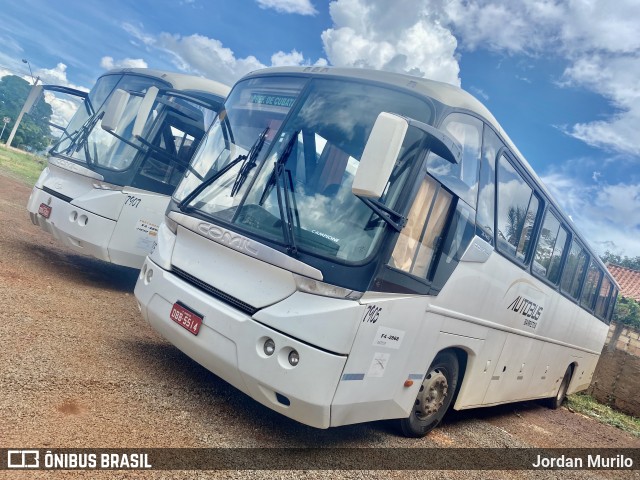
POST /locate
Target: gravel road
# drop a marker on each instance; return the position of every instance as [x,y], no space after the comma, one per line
[81,369]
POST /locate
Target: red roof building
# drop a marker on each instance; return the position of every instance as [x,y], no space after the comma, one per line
[628,279]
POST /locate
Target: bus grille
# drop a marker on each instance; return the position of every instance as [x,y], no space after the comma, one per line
[53,193]
[213,291]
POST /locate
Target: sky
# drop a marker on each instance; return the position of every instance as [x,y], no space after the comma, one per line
[561,77]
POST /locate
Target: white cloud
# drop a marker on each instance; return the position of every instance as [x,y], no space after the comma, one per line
[607,215]
[301,7]
[198,54]
[207,56]
[108,63]
[598,40]
[410,39]
[616,78]
[282,59]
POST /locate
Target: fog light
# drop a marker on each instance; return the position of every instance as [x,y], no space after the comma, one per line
[269,347]
[294,358]
[149,276]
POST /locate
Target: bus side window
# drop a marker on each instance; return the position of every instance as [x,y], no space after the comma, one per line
[461,178]
[612,303]
[517,211]
[575,266]
[589,290]
[161,172]
[485,215]
[551,244]
[603,297]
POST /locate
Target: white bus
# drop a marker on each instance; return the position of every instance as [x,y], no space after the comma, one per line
[109,179]
[380,250]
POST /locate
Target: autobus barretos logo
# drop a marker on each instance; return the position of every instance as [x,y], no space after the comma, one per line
[23,459]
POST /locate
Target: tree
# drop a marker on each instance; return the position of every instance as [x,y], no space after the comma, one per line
[627,311]
[632,263]
[34,132]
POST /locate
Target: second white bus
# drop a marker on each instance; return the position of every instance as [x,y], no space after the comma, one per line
[106,187]
[368,245]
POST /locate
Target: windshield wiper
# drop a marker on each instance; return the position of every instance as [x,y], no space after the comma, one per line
[250,162]
[253,152]
[80,139]
[278,180]
[189,198]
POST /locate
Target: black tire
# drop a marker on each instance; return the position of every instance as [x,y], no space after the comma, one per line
[434,398]
[555,402]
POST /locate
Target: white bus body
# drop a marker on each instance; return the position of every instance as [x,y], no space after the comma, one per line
[277,277]
[104,193]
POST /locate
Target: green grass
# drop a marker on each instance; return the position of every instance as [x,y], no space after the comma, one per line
[21,165]
[589,406]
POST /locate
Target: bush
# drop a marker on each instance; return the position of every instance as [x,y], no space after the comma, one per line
[627,312]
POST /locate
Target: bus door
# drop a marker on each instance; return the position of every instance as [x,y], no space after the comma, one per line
[175,127]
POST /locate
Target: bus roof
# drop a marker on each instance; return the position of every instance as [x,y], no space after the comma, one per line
[180,81]
[444,93]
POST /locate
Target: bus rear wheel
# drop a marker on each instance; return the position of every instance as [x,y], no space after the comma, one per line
[434,397]
[554,402]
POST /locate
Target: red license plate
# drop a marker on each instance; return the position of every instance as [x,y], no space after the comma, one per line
[187,319]
[44,210]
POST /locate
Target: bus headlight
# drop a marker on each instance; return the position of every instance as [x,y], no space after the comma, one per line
[308,285]
[294,358]
[269,347]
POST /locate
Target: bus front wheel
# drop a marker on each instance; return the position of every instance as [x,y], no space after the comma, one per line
[554,402]
[434,397]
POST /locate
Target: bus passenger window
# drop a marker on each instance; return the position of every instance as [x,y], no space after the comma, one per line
[575,266]
[588,297]
[612,304]
[551,245]
[517,211]
[603,298]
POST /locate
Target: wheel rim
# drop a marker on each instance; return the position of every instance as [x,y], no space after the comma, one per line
[432,395]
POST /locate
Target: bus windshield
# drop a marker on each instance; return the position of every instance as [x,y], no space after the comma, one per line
[281,160]
[84,141]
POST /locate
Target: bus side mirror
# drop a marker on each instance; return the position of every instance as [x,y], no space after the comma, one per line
[114,110]
[379,155]
[144,111]
[383,148]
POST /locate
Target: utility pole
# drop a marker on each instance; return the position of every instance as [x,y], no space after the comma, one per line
[31,99]
[5,120]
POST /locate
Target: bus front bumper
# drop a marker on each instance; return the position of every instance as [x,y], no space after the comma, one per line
[231,344]
[83,231]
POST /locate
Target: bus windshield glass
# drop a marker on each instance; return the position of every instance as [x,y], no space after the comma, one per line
[84,141]
[280,161]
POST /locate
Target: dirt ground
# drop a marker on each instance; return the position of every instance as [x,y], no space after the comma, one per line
[81,369]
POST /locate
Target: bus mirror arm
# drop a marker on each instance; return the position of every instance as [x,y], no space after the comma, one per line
[393,218]
[383,149]
[440,143]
